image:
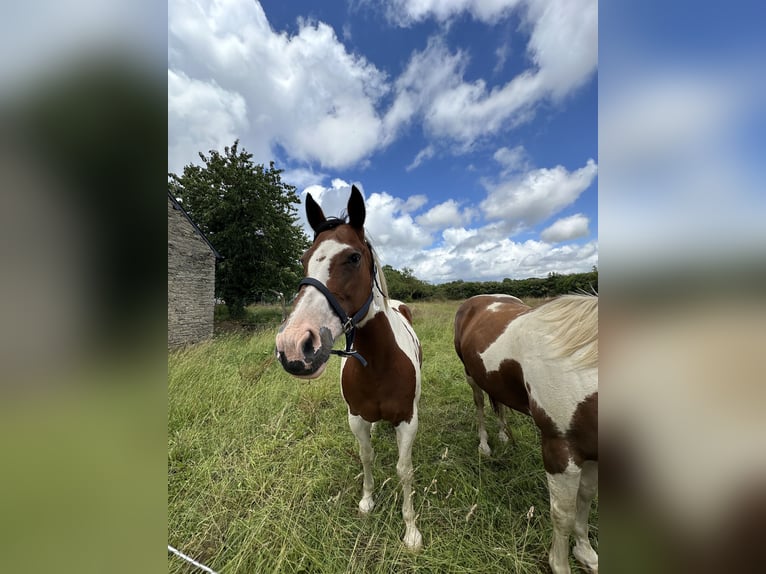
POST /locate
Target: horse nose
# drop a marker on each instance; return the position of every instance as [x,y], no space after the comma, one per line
[301,355]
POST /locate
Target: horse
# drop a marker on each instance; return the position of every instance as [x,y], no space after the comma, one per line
[344,292]
[543,362]
[478,322]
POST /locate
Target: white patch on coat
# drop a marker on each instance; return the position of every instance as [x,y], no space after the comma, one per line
[556,384]
[506,296]
[406,339]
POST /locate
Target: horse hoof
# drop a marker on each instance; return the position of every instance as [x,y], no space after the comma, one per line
[586,556]
[502,437]
[366,505]
[485,450]
[413,540]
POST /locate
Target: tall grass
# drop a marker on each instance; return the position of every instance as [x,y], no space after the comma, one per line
[264,473]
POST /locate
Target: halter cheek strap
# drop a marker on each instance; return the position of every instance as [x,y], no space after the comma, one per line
[348,323]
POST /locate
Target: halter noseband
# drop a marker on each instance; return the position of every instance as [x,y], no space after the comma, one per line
[348,324]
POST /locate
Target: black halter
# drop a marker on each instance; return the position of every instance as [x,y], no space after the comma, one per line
[348,323]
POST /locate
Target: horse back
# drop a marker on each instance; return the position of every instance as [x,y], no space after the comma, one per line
[481,319]
[403,309]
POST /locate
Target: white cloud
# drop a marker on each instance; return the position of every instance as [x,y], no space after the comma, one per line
[201,116]
[393,230]
[563,48]
[305,92]
[454,236]
[566,228]
[302,177]
[493,260]
[389,224]
[502,55]
[564,42]
[537,195]
[409,12]
[515,159]
[424,154]
[320,103]
[428,73]
[413,203]
[447,214]
[432,88]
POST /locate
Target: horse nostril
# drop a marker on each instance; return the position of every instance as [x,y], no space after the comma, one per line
[308,346]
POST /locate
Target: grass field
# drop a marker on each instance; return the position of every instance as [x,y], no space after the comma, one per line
[264,473]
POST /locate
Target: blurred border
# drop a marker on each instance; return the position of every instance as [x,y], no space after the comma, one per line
[83,341]
[682,262]
[83,289]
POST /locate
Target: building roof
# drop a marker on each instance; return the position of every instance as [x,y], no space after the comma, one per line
[197,230]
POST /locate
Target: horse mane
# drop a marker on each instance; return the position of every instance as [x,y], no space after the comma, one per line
[576,333]
[379,275]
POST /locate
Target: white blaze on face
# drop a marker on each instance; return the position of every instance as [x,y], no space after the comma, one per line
[313,306]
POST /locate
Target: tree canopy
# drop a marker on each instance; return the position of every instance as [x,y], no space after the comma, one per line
[248,213]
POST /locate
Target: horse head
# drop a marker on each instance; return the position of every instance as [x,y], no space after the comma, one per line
[335,294]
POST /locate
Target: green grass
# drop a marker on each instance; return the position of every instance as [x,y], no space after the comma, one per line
[264,473]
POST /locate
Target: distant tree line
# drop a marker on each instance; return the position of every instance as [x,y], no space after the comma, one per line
[403,285]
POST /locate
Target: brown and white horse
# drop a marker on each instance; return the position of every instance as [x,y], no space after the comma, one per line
[344,292]
[543,362]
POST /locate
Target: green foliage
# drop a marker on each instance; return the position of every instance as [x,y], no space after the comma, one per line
[405,286]
[248,214]
[254,316]
[533,287]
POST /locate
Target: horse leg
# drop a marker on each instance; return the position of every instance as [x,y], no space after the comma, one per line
[405,435]
[478,400]
[361,429]
[563,488]
[583,551]
[503,434]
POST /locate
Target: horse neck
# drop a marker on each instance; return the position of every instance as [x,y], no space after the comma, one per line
[379,300]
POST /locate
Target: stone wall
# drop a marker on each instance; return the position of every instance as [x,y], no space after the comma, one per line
[191,282]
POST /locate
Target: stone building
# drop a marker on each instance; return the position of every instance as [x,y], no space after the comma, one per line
[191,279]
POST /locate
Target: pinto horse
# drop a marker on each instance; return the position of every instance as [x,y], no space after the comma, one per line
[344,292]
[543,362]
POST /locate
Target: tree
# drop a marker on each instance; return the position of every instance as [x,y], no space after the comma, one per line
[405,286]
[249,215]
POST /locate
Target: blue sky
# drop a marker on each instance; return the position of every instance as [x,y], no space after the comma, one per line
[471,127]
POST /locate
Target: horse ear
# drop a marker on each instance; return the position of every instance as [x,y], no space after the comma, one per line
[355,208]
[314,213]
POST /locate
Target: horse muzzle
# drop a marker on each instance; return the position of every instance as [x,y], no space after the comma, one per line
[304,353]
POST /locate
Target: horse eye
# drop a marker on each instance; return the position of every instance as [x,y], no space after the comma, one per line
[355,258]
